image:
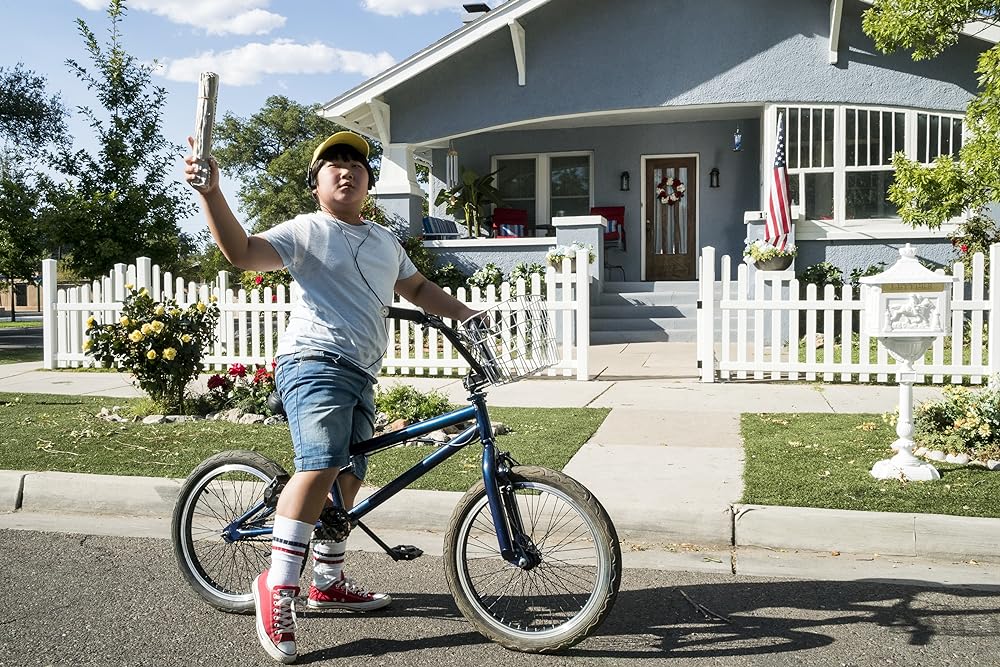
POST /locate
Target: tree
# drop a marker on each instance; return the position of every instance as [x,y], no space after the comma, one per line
[30,122]
[933,195]
[120,202]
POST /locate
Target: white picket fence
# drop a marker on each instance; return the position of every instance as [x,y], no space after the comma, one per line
[765,330]
[251,323]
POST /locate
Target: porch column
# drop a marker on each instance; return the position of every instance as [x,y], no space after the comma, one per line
[588,230]
[397,190]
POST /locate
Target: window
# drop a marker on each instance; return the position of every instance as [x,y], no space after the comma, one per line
[546,185]
[840,158]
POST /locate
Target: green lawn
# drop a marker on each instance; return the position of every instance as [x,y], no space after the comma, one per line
[47,432]
[20,324]
[823,460]
[17,355]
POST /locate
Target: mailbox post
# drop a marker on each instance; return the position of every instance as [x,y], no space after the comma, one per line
[906,308]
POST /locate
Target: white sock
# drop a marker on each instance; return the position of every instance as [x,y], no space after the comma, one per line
[289,542]
[328,562]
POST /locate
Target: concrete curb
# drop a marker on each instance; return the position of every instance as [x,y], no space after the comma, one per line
[790,528]
[813,529]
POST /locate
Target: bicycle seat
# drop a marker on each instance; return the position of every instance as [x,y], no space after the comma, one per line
[274,403]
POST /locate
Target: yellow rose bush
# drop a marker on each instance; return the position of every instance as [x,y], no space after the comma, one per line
[965,421]
[160,344]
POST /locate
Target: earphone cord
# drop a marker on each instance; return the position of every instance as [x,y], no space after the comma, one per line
[362,274]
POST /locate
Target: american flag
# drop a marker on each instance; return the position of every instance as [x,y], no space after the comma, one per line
[779,219]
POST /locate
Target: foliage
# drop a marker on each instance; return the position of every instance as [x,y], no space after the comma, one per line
[761,251]
[470,198]
[931,195]
[403,401]
[241,387]
[822,274]
[554,257]
[975,234]
[526,270]
[489,274]
[269,154]
[258,280]
[858,274]
[160,343]
[30,123]
[965,421]
[420,255]
[122,201]
[450,276]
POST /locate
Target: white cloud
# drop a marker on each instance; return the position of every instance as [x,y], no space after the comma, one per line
[400,7]
[216,17]
[247,65]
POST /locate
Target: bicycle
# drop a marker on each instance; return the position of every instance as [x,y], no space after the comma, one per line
[531,556]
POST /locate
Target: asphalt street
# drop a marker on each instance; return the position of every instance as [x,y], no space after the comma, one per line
[76,600]
[20,337]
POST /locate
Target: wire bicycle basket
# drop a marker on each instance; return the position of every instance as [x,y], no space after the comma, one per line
[511,339]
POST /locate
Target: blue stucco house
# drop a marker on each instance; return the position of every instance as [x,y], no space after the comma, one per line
[569,96]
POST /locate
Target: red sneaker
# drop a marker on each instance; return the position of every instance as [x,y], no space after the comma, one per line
[276,618]
[346,594]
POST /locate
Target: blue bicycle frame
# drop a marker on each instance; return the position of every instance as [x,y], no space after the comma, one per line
[495,467]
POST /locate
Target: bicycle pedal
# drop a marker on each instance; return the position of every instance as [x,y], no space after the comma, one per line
[405,552]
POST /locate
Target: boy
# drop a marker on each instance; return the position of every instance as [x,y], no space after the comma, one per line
[328,360]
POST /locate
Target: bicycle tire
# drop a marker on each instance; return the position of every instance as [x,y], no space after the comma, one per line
[218,491]
[555,604]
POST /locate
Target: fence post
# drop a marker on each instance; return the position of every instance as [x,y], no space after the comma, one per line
[706,315]
[582,320]
[994,330]
[49,339]
[144,274]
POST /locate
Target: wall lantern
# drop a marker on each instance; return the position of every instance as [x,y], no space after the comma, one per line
[737,140]
[713,178]
[624,183]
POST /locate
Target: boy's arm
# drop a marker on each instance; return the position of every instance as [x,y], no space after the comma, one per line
[423,293]
[253,252]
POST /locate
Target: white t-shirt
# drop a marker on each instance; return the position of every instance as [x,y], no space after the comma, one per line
[347,273]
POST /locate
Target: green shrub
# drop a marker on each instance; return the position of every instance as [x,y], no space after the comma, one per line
[822,274]
[858,274]
[525,270]
[254,280]
[421,257]
[964,421]
[405,402]
[450,276]
[159,343]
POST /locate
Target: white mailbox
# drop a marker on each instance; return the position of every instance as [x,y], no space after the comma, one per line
[906,308]
[907,300]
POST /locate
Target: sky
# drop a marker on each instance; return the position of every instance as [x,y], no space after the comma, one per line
[308,50]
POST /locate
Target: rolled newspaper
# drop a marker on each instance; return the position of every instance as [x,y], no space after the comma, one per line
[208,93]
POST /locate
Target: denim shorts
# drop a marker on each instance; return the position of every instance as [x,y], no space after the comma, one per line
[330,404]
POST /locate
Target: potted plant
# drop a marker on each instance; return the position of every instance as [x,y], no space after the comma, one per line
[767,257]
[470,198]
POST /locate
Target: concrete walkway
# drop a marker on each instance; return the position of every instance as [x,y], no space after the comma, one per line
[667,463]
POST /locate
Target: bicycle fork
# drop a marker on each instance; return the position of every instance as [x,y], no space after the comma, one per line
[515,545]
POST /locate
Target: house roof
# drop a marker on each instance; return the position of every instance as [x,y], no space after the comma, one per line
[362,110]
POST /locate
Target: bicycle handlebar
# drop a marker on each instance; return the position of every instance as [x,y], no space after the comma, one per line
[422,318]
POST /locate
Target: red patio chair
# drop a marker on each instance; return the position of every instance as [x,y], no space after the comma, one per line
[510,223]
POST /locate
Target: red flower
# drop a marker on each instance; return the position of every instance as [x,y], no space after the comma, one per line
[258,279]
[237,370]
[217,381]
[261,375]
[964,248]
[274,298]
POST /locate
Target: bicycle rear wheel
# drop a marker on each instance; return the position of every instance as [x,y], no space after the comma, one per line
[217,492]
[567,595]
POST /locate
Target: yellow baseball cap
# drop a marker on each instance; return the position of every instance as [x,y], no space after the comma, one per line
[353,140]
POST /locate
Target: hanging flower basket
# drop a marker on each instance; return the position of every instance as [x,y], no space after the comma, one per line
[766,257]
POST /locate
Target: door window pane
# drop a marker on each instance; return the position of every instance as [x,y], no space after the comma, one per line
[570,185]
[819,196]
[866,195]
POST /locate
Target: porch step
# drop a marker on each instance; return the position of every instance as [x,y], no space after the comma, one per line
[645,312]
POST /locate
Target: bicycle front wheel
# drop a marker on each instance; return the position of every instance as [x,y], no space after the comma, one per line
[219,491]
[560,601]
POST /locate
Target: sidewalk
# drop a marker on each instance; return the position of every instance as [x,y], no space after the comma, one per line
[667,462]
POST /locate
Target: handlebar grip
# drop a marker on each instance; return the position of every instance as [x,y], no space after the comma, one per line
[404,314]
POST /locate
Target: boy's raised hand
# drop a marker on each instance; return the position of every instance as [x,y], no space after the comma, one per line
[194,172]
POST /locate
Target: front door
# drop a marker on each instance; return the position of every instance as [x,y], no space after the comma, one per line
[671,207]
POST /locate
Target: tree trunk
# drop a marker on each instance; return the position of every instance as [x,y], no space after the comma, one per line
[13,302]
